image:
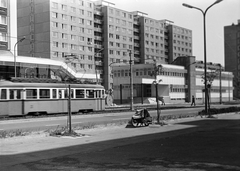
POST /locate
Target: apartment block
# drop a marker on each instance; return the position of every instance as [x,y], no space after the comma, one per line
[4,25]
[97,34]
[56,29]
[232,53]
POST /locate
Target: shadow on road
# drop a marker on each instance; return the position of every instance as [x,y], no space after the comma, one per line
[212,144]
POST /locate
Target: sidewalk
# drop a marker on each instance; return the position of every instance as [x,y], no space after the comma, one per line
[18,150]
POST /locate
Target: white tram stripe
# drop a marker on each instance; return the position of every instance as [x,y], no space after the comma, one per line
[1,129]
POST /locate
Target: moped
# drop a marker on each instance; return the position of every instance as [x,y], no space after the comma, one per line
[141,117]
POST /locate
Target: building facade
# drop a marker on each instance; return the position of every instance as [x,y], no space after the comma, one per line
[232,54]
[177,83]
[4,25]
[97,34]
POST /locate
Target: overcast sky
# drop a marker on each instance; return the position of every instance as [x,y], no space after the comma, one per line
[223,14]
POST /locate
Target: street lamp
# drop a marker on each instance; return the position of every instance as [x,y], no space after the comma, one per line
[205,51]
[14,54]
[220,83]
[157,70]
[131,80]
[69,96]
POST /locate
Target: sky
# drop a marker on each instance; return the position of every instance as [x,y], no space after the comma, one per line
[222,14]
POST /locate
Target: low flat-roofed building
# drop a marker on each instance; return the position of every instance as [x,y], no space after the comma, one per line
[176,83]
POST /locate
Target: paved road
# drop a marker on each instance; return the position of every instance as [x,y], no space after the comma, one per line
[53,122]
[196,144]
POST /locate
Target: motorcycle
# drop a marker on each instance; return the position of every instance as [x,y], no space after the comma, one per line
[141,117]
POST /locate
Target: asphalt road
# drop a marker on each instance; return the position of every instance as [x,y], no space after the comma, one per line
[53,122]
[204,145]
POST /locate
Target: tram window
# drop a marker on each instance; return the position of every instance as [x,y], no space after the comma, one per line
[54,93]
[103,93]
[80,93]
[44,94]
[98,93]
[3,93]
[90,93]
[31,93]
[66,93]
[15,94]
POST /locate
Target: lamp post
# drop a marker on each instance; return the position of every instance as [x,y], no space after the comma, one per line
[157,70]
[205,51]
[69,99]
[131,80]
[14,54]
[95,63]
[220,83]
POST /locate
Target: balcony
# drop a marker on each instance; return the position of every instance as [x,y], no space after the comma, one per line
[136,44]
[136,37]
[136,30]
[97,29]
[98,38]
[99,63]
[98,21]
[97,12]
[98,46]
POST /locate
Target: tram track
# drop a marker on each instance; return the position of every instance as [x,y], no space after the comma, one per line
[106,111]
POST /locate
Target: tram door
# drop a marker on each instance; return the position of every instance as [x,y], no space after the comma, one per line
[16,102]
[62,102]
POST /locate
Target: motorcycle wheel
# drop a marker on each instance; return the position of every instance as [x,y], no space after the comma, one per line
[146,123]
[134,122]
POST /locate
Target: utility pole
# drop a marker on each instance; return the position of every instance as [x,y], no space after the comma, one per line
[131,81]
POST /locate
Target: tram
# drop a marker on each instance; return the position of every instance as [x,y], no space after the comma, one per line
[23,98]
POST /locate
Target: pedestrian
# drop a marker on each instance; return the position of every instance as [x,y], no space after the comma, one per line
[163,103]
[193,101]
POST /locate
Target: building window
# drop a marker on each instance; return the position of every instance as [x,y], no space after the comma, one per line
[55,44]
[81,38]
[89,22]
[81,48]
[81,21]
[81,11]
[64,7]
[64,16]
[64,26]
[55,24]
[73,37]
[73,47]
[73,19]
[81,30]
[3,3]
[89,31]
[55,5]
[54,15]
[3,37]
[55,54]
[89,14]
[64,36]
[3,19]
[73,9]
[73,28]
[89,5]
[64,45]
[55,34]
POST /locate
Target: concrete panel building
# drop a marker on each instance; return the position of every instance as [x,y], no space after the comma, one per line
[4,25]
[97,34]
[232,53]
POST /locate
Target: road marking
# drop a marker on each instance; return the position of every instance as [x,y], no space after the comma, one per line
[52,125]
[120,118]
